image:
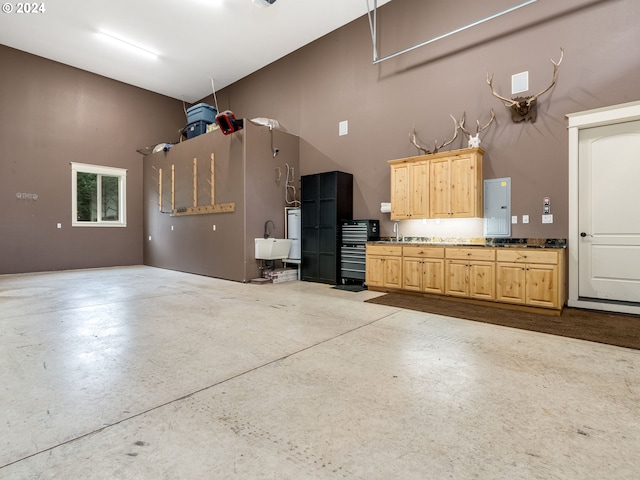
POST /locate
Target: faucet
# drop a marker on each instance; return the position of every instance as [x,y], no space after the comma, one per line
[396,230]
[266,227]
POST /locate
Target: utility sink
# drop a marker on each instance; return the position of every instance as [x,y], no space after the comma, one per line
[272,248]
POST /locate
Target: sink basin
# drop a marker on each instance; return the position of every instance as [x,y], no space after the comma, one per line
[272,248]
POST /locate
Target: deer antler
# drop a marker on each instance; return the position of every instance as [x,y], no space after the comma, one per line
[480,129]
[553,81]
[524,108]
[412,139]
[474,140]
[436,147]
[455,135]
[507,101]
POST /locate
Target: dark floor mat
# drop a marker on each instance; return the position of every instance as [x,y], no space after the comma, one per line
[603,327]
[351,288]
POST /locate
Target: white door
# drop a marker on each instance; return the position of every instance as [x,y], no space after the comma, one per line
[609,212]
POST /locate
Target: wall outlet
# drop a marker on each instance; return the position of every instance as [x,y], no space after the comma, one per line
[172,228]
[59,225]
[547,218]
[149,237]
[525,218]
[214,228]
[514,219]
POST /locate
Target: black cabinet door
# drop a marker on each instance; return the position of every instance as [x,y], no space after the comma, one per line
[327,199]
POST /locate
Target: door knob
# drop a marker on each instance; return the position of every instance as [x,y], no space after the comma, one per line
[585,234]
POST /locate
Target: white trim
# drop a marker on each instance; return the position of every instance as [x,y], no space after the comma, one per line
[626,112]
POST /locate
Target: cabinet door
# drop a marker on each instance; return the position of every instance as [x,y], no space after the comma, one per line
[393,272]
[419,191]
[462,187]
[457,279]
[375,271]
[510,282]
[433,275]
[400,191]
[412,274]
[482,283]
[439,200]
[542,289]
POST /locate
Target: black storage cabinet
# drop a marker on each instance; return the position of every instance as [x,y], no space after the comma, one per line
[327,199]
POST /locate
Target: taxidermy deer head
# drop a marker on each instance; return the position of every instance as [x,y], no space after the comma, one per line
[525,108]
[474,140]
[436,147]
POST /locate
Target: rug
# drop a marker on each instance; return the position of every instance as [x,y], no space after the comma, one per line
[611,328]
[351,288]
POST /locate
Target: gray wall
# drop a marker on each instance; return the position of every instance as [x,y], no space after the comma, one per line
[52,115]
[333,79]
[245,174]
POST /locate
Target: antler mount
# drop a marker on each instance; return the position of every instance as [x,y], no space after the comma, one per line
[525,108]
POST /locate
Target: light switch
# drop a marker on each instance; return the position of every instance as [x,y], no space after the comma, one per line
[343,127]
[514,219]
[547,218]
[525,218]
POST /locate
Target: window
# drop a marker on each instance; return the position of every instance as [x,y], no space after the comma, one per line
[98,196]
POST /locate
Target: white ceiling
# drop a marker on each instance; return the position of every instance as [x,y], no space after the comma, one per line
[194,39]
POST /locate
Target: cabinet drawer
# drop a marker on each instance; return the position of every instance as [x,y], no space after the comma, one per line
[423,251]
[387,250]
[466,253]
[529,255]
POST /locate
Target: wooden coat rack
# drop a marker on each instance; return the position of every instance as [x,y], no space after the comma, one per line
[195,209]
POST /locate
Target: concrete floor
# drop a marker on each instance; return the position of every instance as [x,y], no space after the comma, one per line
[143,373]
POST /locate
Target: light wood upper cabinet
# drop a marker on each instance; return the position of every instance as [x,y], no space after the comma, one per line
[456,185]
[439,185]
[410,189]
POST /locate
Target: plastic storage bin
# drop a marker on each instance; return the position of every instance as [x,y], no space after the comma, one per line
[203,112]
[196,128]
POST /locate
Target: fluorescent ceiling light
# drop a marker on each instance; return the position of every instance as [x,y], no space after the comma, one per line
[132,47]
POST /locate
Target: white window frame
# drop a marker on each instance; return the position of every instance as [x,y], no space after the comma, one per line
[121,173]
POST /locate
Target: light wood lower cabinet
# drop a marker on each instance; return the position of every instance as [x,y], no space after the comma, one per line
[530,277]
[423,269]
[384,266]
[470,272]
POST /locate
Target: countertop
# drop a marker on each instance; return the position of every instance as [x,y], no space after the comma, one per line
[476,242]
